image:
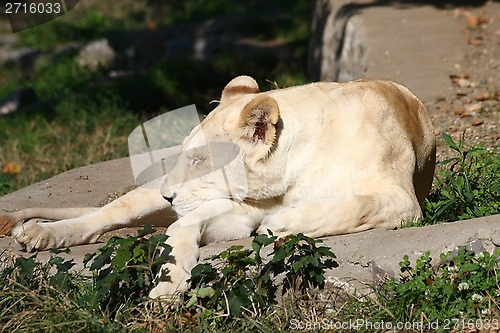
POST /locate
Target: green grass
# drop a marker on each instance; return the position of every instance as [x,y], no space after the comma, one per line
[83,117]
[73,124]
[466,186]
[41,297]
[88,21]
[237,291]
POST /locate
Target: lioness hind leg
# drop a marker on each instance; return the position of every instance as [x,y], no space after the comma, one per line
[136,208]
[344,215]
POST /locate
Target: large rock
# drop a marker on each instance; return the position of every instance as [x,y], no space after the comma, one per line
[28,59]
[96,55]
[88,186]
[415,44]
[23,59]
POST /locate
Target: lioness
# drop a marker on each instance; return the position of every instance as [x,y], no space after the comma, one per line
[320,159]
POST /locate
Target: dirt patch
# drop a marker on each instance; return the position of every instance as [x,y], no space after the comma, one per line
[473,102]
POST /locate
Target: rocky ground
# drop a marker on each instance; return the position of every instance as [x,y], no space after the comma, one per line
[473,103]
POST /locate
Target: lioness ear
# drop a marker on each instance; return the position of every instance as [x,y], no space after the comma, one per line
[238,86]
[259,118]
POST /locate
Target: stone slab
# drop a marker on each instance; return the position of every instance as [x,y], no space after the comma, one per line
[88,186]
[414,43]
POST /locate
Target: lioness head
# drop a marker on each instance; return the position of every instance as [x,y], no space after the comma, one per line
[226,155]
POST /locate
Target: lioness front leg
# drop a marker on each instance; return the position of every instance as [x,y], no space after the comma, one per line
[138,207]
[192,231]
[343,215]
[174,275]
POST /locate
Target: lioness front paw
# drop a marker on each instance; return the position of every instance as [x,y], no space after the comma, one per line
[168,289]
[175,280]
[35,236]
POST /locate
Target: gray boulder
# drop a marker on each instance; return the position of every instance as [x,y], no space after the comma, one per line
[415,44]
[96,55]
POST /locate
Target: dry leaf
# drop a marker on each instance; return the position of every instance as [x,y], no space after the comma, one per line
[477,122]
[474,108]
[462,81]
[482,96]
[152,25]
[475,21]
[465,100]
[475,41]
[11,168]
[461,111]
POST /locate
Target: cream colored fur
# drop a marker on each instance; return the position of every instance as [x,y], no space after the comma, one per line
[322,159]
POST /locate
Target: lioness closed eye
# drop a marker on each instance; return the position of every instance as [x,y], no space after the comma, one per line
[321,159]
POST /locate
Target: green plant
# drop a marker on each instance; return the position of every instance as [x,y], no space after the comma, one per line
[239,283]
[461,287]
[4,184]
[124,269]
[30,273]
[50,296]
[228,289]
[234,293]
[81,25]
[237,291]
[302,262]
[43,296]
[469,187]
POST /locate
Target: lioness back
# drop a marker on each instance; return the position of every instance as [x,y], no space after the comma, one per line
[345,137]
